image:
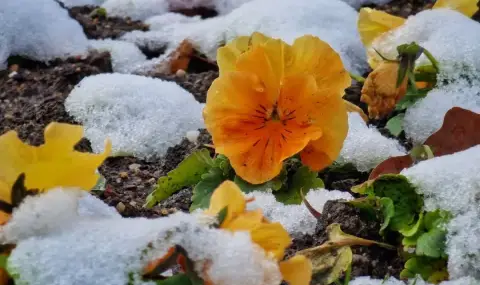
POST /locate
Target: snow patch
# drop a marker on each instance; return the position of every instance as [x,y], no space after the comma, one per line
[142,116]
[135,9]
[365,280]
[40,30]
[77,3]
[359,3]
[332,21]
[126,57]
[103,250]
[296,219]
[365,147]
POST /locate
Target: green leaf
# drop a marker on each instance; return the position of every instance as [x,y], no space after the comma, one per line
[3,261]
[424,266]
[414,228]
[368,206]
[179,279]
[411,97]
[204,189]
[274,184]
[304,179]
[436,219]
[395,124]
[407,202]
[432,243]
[187,173]
[388,211]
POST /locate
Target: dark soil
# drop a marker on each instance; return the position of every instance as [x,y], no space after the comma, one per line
[373,261]
[405,8]
[99,27]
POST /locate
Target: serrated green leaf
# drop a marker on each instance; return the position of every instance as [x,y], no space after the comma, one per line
[388,211]
[187,173]
[432,243]
[424,266]
[204,189]
[407,202]
[395,124]
[304,179]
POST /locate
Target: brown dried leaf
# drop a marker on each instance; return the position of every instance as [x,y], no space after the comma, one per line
[180,58]
[460,130]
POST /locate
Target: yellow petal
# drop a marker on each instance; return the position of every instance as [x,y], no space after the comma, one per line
[53,164]
[245,221]
[372,23]
[228,194]
[227,55]
[466,7]
[314,57]
[352,108]
[297,270]
[273,238]
[15,157]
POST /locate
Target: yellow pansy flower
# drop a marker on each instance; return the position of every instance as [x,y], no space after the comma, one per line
[272,237]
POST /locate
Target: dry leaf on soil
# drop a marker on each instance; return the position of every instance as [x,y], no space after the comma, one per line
[460,131]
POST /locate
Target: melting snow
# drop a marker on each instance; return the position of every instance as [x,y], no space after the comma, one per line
[142,116]
[108,250]
[296,219]
[74,3]
[333,21]
[135,9]
[365,147]
[40,30]
[419,281]
[126,57]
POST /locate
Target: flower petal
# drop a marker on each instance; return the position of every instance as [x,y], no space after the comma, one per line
[352,108]
[273,238]
[466,7]
[228,194]
[245,221]
[315,57]
[297,270]
[320,153]
[372,23]
[267,61]
[52,164]
[227,55]
[16,156]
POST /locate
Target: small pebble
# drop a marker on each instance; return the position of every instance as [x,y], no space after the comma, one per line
[120,207]
[123,174]
[133,203]
[152,181]
[180,73]
[192,136]
[135,167]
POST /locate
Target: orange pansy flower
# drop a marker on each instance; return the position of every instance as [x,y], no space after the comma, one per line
[272,99]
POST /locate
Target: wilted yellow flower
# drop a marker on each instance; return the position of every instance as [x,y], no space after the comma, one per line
[272,237]
[272,100]
[380,92]
[373,25]
[50,165]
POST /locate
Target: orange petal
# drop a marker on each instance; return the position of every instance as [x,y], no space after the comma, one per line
[273,238]
[297,270]
[228,194]
[466,7]
[245,221]
[273,141]
[320,153]
[315,57]
[267,62]
[372,23]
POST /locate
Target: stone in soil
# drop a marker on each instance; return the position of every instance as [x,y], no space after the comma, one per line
[100,27]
